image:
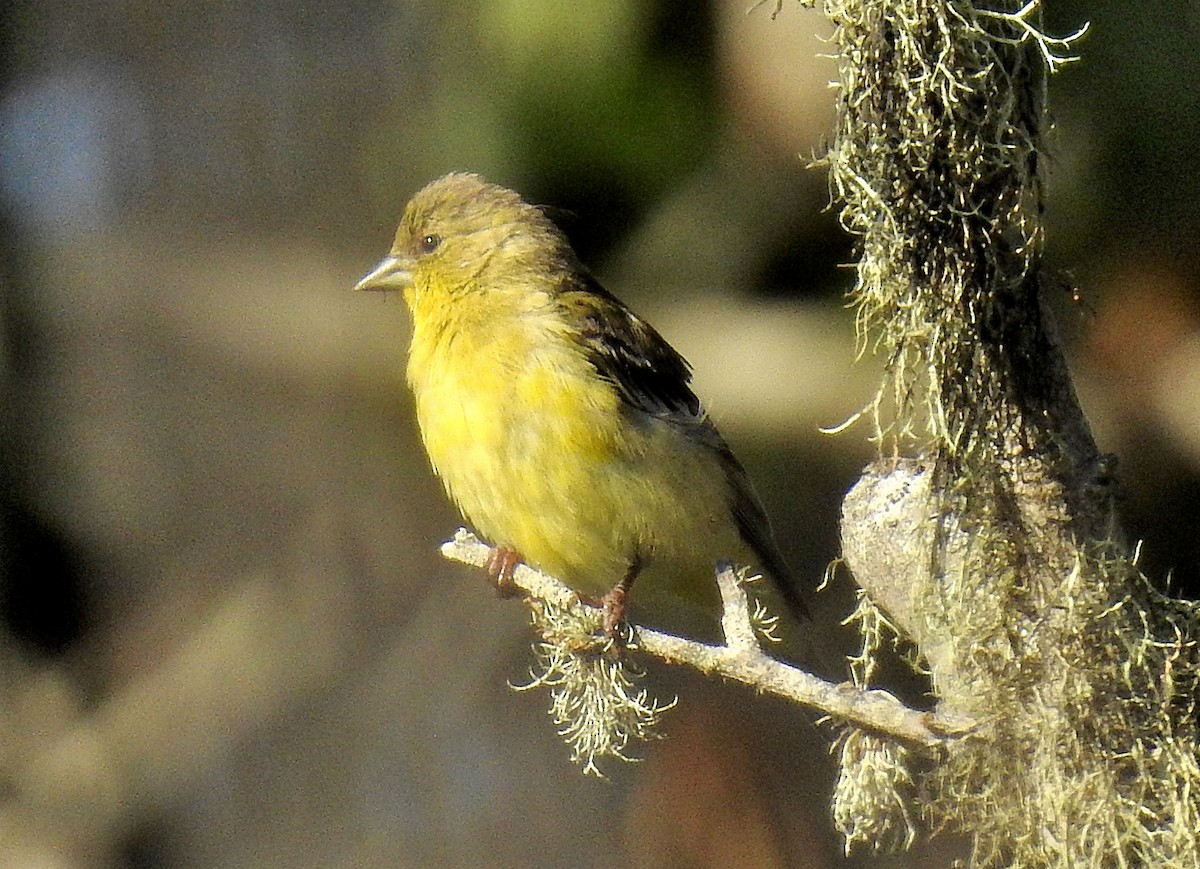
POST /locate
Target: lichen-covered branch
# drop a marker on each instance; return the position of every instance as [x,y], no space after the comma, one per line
[994,549]
[740,659]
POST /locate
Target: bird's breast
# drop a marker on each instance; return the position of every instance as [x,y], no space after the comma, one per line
[516,423]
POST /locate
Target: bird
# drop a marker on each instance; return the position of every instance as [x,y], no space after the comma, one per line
[562,424]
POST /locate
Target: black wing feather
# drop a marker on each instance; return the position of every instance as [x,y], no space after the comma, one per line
[756,530]
[628,352]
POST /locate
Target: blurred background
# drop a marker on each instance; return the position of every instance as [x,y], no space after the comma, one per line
[226,638]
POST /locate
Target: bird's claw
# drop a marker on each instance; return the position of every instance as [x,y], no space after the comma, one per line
[612,607]
[500,564]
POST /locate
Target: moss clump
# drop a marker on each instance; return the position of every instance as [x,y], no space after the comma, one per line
[1032,619]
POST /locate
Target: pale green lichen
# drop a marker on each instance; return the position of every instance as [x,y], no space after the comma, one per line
[876,631]
[1091,759]
[1082,676]
[936,163]
[764,622]
[873,794]
[595,695]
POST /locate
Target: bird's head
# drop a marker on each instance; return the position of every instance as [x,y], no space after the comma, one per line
[460,236]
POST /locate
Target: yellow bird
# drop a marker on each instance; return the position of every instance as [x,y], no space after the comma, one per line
[561,423]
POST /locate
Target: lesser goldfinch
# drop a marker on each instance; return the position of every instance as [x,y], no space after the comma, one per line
[562,424]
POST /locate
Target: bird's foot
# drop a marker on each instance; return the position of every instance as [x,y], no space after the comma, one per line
[615,601]
[500,564]
[612,607]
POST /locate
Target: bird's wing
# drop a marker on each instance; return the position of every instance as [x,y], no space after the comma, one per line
[629,353]
[755,528]
[650,376]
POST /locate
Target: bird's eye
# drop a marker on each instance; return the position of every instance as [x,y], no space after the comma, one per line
[430,243]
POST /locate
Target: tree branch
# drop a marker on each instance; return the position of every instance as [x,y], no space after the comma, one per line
[995,549]
[742,659]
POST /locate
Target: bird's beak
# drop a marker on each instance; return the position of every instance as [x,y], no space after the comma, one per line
[392,273]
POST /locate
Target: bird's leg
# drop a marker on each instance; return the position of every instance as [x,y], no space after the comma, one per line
[500,564]
[614,601]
